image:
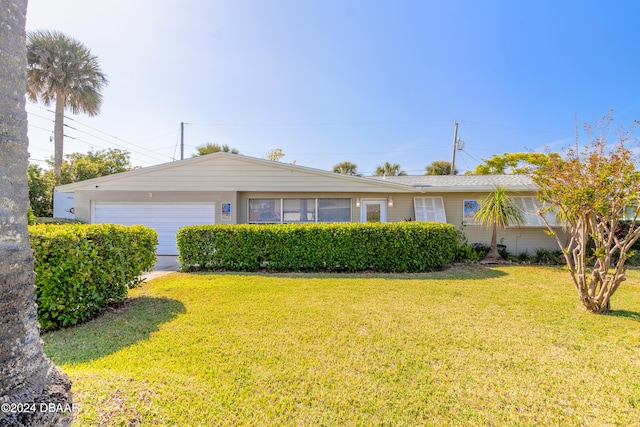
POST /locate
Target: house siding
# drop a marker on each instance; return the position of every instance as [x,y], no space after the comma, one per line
[516,238]
[224,178]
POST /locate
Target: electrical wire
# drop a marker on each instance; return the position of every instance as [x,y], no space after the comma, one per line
[362,123]
[147,153]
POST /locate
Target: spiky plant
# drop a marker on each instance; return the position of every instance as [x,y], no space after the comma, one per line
[497,210]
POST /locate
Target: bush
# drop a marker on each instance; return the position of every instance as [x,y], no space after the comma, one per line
[58,221]
[504,253]
[480,248]
[524,256]
[82,268]
[546,256]
[467,253]
[387,247]
[31,218]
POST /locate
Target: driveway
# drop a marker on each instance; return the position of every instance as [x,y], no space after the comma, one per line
[164,265]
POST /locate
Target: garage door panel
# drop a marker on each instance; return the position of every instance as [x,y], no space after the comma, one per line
[166,219]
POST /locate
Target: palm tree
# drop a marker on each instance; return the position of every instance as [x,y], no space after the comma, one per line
[389,169]
[497,210]
[346,168]
[210,148]
[439,167]
[26,375]
[63,71]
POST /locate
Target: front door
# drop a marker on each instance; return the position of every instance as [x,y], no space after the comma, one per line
[373,210]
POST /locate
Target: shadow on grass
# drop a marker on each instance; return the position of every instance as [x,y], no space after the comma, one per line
[633,315]
[133,321]
[456,272]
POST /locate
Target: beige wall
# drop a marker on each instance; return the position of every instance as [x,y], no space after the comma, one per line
[517,239]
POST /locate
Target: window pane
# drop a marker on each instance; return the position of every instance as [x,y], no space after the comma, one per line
[629,213]
[334,210]
[373,212]
[264,210]
[299,210]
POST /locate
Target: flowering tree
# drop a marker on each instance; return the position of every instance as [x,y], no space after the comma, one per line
[593,189]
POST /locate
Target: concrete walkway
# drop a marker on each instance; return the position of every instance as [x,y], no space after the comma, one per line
[164,265]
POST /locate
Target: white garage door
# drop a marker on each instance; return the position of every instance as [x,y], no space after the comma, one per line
[166,219]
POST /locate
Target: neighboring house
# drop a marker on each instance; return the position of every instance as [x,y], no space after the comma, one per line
[225,188]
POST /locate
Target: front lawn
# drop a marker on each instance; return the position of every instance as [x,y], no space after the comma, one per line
[470,346]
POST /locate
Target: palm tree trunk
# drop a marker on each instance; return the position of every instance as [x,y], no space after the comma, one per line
[26,375]
[493,254]
[58,136]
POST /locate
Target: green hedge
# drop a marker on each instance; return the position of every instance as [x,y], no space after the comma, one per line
[82,268]
[387,247]
[58,221]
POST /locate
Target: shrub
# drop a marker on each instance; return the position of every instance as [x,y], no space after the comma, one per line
[466,253]
[480,248]
[82,268]
[387,247]
[31,218]
[49,220]
[523,256]
[504,253]
[546,256]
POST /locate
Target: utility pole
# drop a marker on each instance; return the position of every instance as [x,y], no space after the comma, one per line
[182,141]
[455,147]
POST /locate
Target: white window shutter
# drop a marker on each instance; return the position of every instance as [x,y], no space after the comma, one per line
[429,209]
[529,206]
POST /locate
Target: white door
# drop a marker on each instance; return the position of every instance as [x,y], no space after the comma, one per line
[373,210]
[166,218]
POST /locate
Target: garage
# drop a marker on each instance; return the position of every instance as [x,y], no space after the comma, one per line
[165,218]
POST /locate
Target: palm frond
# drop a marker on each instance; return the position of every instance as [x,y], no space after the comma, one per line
[499,209]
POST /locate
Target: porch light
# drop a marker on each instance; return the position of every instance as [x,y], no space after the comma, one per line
[357,202]
[390,203]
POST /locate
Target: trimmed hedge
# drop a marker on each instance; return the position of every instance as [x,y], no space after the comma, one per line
[58,221]
[82,268]
[383,247]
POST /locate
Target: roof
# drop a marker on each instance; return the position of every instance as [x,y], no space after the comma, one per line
[457,183]
[235,172]
[232,172]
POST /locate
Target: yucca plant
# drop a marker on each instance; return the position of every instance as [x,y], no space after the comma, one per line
[497,210]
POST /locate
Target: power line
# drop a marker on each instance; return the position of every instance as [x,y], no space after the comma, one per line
[354,123]
[148,153]
[110,142]
[513,127]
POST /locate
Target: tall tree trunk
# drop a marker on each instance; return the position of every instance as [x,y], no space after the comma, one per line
[58,136]
[493,255]
[26,375]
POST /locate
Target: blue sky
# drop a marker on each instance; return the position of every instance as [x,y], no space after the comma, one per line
[346,80]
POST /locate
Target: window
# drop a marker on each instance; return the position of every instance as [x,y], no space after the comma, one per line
[530,206]
[429,209]
[629,213]
[264,210]
[334,210]
[299,210]
[469,209]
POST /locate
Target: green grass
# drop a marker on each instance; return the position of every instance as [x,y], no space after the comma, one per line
[472,346]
